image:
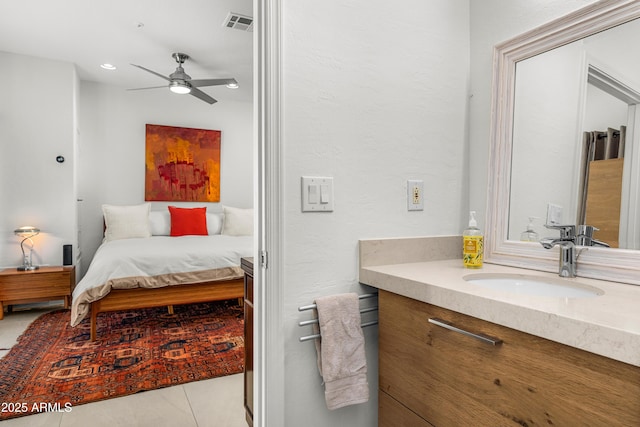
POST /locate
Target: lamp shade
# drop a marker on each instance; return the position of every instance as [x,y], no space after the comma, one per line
[26,231]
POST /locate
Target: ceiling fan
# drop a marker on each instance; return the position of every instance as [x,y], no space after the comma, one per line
[180,82]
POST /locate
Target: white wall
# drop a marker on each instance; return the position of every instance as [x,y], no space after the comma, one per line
[112,149]
[604,111]
[374,94]
[37,123]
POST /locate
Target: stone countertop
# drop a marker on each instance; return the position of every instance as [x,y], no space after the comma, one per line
[608,324]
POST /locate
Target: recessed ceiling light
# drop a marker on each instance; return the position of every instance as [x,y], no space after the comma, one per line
[108,66]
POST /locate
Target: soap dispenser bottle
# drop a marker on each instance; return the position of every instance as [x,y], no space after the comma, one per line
[530,235]
[472,244]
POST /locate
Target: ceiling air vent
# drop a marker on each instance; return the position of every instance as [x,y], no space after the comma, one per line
[239,22]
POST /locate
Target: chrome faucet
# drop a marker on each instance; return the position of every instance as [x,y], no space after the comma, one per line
[567,244]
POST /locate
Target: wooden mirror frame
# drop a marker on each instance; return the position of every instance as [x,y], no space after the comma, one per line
[618,265]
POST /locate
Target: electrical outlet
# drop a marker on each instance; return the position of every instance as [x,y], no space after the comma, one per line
[415,190]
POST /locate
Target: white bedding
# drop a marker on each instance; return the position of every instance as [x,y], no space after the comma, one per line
[155,256]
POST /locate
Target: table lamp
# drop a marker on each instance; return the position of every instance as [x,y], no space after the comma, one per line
[27,233]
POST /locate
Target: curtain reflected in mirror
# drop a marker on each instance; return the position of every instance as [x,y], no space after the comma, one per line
[601,186]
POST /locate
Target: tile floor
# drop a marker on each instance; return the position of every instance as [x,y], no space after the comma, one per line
[216,402]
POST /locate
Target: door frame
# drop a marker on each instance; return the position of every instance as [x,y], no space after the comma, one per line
[268,253]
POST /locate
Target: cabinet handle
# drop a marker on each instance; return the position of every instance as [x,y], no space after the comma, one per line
[482,337]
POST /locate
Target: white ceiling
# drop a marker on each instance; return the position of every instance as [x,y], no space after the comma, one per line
[89,33]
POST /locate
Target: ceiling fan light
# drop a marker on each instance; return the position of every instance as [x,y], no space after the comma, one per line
[179,87]
[232,85]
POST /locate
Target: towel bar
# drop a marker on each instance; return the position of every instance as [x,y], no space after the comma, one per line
[312,306]
[315,321]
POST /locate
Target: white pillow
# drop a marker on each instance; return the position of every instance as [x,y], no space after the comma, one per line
[214,223]
[125,222]
[160,223]
[237,222]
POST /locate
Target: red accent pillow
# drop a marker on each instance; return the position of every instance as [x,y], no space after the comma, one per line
[188,221]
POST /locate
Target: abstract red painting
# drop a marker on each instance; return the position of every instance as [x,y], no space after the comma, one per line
[182,164]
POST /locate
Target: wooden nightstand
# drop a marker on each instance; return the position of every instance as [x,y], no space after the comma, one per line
[43,284]
[247,265]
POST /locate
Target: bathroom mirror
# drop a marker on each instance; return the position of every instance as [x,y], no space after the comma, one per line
[552,173]
[572,104]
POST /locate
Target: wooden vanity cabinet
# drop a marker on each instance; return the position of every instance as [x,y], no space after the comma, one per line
[432,376]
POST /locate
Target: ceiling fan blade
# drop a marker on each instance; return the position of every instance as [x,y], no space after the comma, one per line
[152,72]
[201,95]
[211,82]
[152,87]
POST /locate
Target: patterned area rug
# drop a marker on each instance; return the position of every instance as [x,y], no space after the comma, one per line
[54,367]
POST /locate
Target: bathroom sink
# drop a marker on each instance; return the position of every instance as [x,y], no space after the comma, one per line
[533,285]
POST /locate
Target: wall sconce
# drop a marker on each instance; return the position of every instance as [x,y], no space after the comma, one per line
[27,233]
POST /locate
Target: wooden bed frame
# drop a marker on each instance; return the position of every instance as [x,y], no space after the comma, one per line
[128,299]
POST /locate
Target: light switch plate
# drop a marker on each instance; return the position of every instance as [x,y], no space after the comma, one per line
[317,194]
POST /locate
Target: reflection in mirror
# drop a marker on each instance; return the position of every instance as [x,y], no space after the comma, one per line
[558,91]
[602,161]
[572,106]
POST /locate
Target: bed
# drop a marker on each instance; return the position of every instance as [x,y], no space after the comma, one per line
[152,269]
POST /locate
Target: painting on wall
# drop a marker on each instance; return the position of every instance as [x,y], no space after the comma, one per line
[182,164]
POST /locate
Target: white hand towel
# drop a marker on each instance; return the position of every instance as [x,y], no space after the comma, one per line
[341,355]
